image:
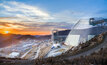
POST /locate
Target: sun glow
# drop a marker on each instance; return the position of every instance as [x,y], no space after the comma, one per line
[6,32]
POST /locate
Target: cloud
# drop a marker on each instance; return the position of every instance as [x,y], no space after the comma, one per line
[24,17]
[6,25]
[39,26]
[24,12]
[69,16]
[62,20]
[48,26]
[28,13]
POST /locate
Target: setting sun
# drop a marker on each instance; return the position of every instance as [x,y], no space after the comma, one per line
[6,32]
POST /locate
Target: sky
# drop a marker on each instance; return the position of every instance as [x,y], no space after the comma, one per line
[40,17]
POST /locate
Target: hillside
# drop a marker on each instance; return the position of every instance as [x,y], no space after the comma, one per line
[96,48]
[93,52]
[8,39]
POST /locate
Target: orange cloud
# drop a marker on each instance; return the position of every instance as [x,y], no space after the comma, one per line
[30,28]
[33,32]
